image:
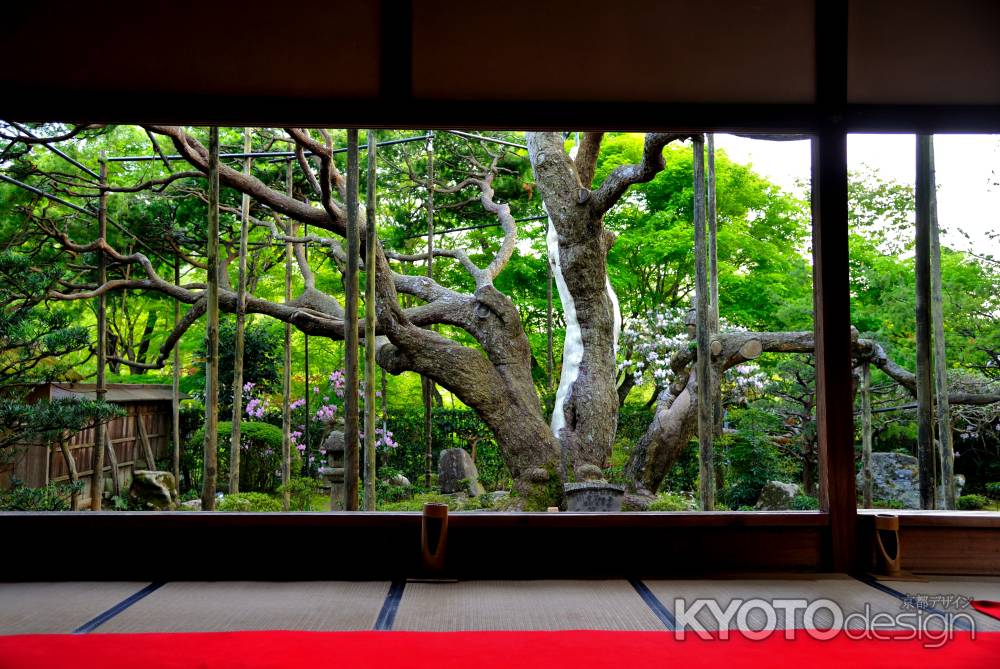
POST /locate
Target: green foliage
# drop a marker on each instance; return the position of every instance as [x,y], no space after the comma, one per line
[750,457]
[301,491]
[887,504]
[260,458]
[973,502]
[805,503]
[993,489]
[47,420]
[454,502]
[262,351]
[52,497]
[249,501]
[668,501]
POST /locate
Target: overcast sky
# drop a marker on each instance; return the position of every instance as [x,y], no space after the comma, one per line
[968,168]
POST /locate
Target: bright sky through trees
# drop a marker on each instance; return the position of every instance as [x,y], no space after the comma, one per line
[968,172]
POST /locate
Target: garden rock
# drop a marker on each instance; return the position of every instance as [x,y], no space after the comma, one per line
[776,496]
[192,505]
[153,489]
[594,496]
[400,481]
[457,473]
[895,478]
[588,472]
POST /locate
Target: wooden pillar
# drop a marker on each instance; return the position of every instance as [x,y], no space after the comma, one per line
[946,447]
[922,273]
[286,378]
[370,242]
[703,373]
[866,432]
[834,404]
[427,385]
[351,459]
[211,450]
[713,251]
[175,409]
[241,318]
[100,430]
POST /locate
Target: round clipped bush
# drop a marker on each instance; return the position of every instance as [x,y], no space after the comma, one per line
[260,459]
[249,501]
[972,502]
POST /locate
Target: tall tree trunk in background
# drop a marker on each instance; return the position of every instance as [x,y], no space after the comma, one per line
[211,451]
[370,244]
[426,384]
[286,374]
[241,320]
[866,433]
[147,337]
[922,272]
[175,405]
[100,430]
[585,415]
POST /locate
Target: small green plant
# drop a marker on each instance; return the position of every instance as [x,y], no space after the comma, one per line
[973,502]
[301,491]
[887,504]
[993,489]
[669,501]
[249,501]
[805,503]
[52,497]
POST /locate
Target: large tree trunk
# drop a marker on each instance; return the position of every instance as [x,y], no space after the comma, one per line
[585,415]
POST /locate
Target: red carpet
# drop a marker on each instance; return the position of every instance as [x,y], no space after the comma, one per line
[987,607]
[481,650]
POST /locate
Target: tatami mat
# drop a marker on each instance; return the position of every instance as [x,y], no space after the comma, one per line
[42,608]
[524,605]
[256,605]
[950,594]
[851,595]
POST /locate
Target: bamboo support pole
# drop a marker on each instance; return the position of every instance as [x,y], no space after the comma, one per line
[925,399]
[946,447]
[286,378]
[211,450]
[74,499]
[426,384]
[706,425]
[100,430]
[241,320]
[866,433]
[175,409]
[370,242]
[351,427]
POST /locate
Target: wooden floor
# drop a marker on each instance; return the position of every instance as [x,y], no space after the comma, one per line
[81,607]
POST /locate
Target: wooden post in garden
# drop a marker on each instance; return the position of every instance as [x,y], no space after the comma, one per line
[286,378]
[866,433]
[175,409]
[713,251]
[370,241]
[706,427]
[74,500]
[100,392]
[351,459]
[211,451]
[427,385]
[922,253]
[946,448]
[241,318]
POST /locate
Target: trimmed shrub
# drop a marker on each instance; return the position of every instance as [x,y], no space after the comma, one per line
[668,501]
[249,501]
[805,503]
[973,502]
[260,459]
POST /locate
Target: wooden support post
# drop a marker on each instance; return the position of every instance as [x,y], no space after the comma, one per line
[351,459]
[286,378]
[426,384]
[241,320]
[831,295]
[866,432]
[946,447]
[100,430]
[113,459]
[211,450]
[175,409]
[703,373]
[143,440]
[713,251]
[371,240]
[74,500]
[922,272]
